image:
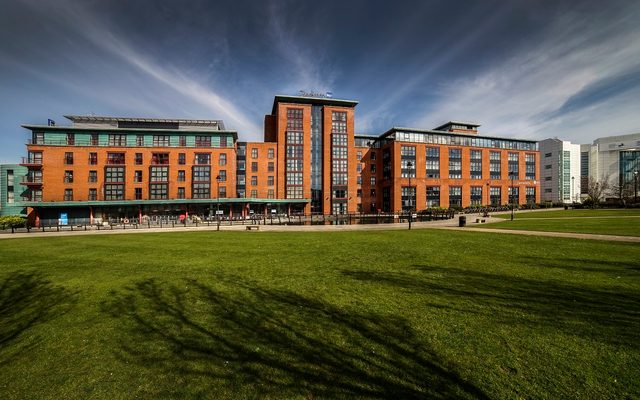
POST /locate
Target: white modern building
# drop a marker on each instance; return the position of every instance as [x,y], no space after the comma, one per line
[612,158]
[559,171]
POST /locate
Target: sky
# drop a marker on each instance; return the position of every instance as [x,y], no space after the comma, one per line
[522,69]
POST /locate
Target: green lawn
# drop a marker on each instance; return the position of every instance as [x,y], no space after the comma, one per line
[605,222]
[398,314]
[561,213]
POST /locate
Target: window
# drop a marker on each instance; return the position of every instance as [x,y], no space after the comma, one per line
[408,197]
[271,167]
[373,155]
[37,138]
[530,194]
[455,164]
[547,155]
[159,174]
[433,196]
[114,174]
[359,168]
[182,158]
[71,139]
[476,195]
[495,196]
[548,166]
[254,180]
[181,175]
[158,191]
[270,194]
[513,165]
[93,176]
[373,181]
[117,140]
[407,161]
[35,157]
[139,140]
[203,159]
[200,174]
[137,178]
[241,193]
[270,180]
[222,161]
[201,191]
[530,166]
[181,193]
[93,158]
[160,159]
[203,141]
[254,153]
[494,165]
[433,163]
[182,142]
[359,180]
[223,175]
[254,167]
[93,195]
[138,159]
[514,195]
[242,150]
[160,140]
[68,158]
[372,193]
[115,158]
[138,193]
[359,193]
[359,155]
[240,180]
[68,176]
[270,154]
[223,141]
[241,165]
[455,196]
[254,193]
[94,141]
[222,191]
[68,195]
[293,154]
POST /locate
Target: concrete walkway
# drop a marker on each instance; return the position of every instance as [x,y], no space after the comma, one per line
[450,224]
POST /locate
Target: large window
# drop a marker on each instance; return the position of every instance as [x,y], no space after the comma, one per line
[201,174]
[159,174]
[93,176]
[476,195]
[114,192]
[408,194]
[407,161]
[495,196]
[433,163]
[114,174]
[433,196]
[93,195]
[116,140]
[254,153]
[68,195]
[203,141]
[93,158]
[455,163]
[455,196]
[476,164]
[222,161]
[201,190]
[530,165]
[495,171]
[160,140]
[160,159]
[159,191]
[115,158]
[68,158]
[513,165]
[293,154]
[203,159]
[531,195]
[68,176]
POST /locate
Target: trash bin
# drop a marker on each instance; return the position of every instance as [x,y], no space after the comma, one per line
[462,221]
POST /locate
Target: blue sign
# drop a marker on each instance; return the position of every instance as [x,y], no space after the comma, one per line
[64,219]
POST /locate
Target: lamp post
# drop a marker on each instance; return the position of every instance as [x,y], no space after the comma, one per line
[513,197]
[573,189]
[409,167]
[635,187]
[218,201]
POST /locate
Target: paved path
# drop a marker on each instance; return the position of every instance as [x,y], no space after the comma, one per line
[450,224]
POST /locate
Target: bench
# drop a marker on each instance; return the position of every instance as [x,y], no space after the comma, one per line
[252,227]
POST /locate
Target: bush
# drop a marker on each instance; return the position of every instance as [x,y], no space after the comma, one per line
[12,221]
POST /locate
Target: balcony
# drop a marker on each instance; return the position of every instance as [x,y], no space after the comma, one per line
[31,162]
[31,181]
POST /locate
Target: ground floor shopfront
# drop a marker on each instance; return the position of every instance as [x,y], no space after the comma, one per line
[63,213]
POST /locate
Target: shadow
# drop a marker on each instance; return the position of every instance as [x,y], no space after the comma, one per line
[607,315]
[27,299]
[258,342]
[613,268]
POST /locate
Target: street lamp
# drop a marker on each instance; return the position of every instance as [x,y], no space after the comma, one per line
[513,197]
[573,189]
[409,167]
[635,186]
[218,179]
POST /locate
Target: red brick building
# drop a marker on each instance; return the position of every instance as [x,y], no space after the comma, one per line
[311,161]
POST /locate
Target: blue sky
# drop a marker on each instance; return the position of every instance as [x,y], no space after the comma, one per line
[527,69]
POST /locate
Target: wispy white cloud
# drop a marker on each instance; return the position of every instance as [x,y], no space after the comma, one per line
[522,96]
[305,64]
[88,26]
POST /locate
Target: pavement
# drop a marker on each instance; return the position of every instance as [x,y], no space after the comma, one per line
[449,224]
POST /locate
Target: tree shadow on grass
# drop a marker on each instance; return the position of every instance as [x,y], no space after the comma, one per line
[258,342]
[610,315]
[27,300]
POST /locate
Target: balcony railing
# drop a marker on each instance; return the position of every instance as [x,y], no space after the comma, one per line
[92,143]
[30,161]
[31,180]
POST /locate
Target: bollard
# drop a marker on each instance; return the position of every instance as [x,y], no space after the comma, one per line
[462,221]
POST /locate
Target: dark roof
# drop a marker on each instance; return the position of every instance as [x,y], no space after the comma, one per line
[438,128]
[401,129]
[106,119]
[325,101]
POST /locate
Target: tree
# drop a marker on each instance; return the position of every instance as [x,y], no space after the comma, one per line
[622,191]
[597,189]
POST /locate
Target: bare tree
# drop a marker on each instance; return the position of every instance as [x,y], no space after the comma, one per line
[597,189]
[623,191]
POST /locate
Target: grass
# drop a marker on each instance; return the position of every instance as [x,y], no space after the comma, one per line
[604,222]
[319,315]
